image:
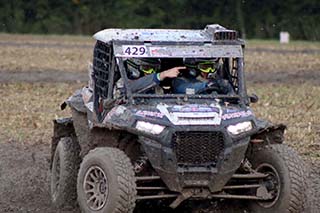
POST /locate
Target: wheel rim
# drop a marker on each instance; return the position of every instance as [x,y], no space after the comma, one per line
[56,177]
[272,182]
[96,188]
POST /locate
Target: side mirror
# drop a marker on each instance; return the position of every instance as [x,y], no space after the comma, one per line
[253,98]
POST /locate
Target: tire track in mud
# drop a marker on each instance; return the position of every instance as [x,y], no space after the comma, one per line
[46,76]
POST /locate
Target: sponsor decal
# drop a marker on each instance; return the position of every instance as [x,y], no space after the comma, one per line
[144,113]
[239,114]
[158,51]
[194,108]
[192,114]
[231,110]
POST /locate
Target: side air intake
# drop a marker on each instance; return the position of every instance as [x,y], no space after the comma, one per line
[225,35]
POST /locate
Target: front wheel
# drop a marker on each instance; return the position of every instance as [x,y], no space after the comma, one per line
[286,180]
[106,182]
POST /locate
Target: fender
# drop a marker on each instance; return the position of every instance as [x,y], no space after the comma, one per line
[75,101]
[269,133]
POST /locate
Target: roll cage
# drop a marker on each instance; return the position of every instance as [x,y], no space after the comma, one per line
[114,46]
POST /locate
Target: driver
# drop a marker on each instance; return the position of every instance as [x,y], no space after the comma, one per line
[202,77]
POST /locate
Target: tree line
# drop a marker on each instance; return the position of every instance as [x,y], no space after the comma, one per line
[252,18]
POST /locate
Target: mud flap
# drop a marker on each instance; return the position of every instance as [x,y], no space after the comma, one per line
[62,127]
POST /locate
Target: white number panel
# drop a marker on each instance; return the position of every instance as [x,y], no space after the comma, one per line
[134,50]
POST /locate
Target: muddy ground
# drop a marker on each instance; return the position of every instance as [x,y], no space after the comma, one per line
[24,168]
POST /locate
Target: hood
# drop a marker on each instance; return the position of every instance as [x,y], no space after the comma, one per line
[194,114]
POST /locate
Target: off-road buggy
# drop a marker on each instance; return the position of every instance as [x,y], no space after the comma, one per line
[118,152]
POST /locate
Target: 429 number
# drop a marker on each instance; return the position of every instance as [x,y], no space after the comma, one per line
[134,50]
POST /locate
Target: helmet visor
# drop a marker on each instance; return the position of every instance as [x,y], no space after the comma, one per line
[207,67]
[148,69]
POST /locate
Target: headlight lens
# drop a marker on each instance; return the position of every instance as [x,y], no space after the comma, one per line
[240,127]
[149,127]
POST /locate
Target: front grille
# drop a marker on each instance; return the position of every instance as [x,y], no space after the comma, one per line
[198,148]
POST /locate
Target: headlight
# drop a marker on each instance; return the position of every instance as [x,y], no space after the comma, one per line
[240,127]
[149,127]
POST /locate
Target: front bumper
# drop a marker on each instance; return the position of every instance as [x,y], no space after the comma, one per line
[201,161]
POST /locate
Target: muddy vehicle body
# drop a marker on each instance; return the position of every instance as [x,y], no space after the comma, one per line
[118,152]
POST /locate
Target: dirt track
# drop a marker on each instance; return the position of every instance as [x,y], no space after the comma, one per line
[24,168]
[24,178]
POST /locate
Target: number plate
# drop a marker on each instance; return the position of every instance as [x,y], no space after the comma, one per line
[134,50]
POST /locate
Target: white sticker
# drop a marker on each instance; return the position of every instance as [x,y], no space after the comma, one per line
[134,50]
[190,91]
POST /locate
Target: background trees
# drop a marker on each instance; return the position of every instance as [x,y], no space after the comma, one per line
[255,19]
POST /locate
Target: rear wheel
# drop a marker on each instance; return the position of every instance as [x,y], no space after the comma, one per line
[64,171]
[106,182]
[286,181]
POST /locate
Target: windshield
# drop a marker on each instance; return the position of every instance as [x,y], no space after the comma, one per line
[182,76]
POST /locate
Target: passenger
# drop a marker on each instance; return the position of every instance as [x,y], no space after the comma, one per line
[202,75]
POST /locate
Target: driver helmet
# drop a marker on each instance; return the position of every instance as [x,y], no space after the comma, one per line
[146,66]
[203,65]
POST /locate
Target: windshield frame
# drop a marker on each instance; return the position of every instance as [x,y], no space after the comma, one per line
[241,93]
